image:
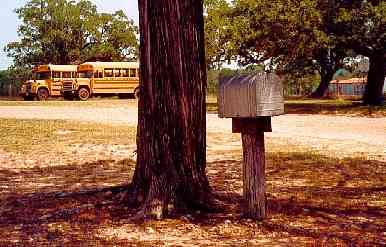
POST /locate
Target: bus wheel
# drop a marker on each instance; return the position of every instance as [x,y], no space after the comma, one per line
[42,94]
[83,94]
[136,92]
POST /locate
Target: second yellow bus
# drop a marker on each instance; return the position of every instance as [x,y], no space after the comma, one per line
[103,78]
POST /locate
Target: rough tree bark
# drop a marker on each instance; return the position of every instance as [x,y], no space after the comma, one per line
[171,141]
[375,80]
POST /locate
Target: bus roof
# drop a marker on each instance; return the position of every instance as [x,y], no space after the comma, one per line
[52,67]
[109,65]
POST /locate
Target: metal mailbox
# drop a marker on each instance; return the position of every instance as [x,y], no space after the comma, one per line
[251,96]
[251,101]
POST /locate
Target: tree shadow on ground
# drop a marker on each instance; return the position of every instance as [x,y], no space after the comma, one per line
[315,196]
[33,199]
[312,199]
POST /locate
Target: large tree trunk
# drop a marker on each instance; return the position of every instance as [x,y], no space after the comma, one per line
[325,79]
[328,67]
[375,80]
[171,142]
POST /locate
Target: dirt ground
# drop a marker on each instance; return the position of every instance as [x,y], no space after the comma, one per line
[345,136]
[325,183]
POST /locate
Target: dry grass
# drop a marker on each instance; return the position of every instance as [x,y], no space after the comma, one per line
[333,107]
[31,136]
[338,107]
[299,106]
[95,102]
[211,104]
[313,199]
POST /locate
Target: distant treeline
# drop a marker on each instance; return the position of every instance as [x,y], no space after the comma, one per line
[66,32]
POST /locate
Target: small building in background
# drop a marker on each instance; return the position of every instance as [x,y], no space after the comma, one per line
[354,87]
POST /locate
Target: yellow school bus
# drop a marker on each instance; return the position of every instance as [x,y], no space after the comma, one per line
[103,78]
[47,80]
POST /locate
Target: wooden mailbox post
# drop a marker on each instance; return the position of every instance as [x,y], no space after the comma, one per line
[251,101]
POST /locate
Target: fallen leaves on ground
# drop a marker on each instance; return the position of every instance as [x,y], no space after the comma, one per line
[313,200]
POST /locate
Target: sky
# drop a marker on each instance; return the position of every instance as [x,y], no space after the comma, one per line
[9,21]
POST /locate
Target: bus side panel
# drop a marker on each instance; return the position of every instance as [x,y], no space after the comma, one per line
[111,85]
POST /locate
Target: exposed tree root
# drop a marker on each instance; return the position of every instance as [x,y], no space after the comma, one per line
[159,204]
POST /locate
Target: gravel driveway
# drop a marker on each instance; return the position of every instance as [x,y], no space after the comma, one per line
[338,134]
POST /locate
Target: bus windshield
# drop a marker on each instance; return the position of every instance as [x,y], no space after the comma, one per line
[85,74]
[42,75]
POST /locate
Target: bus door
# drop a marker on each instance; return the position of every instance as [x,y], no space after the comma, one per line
[96,80]
[55,83]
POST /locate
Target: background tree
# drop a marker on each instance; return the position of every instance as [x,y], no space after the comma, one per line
[114,39]
[11,79]
[215,75]
[218,49]
[216,33]
[5,80]
[67,32]
[292,35]
[171,143]
[361,26]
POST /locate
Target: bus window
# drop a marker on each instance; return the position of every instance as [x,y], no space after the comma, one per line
[96,74]
[43,75]
[66,74]
[100,74]
[132,73]
[85,74]
[56,74]
[108,73]
[117,73]
[124,72]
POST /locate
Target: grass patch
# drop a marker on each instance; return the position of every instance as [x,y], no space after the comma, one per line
[327,107]
[95,102]
[211,104]
[26,136]
[333,107]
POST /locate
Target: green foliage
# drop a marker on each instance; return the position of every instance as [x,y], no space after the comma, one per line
[360,26]
[4,81]
[291,35]
[215,75]
[300,85]
[13,76]
[216,32]
[68,32]
[212,81]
